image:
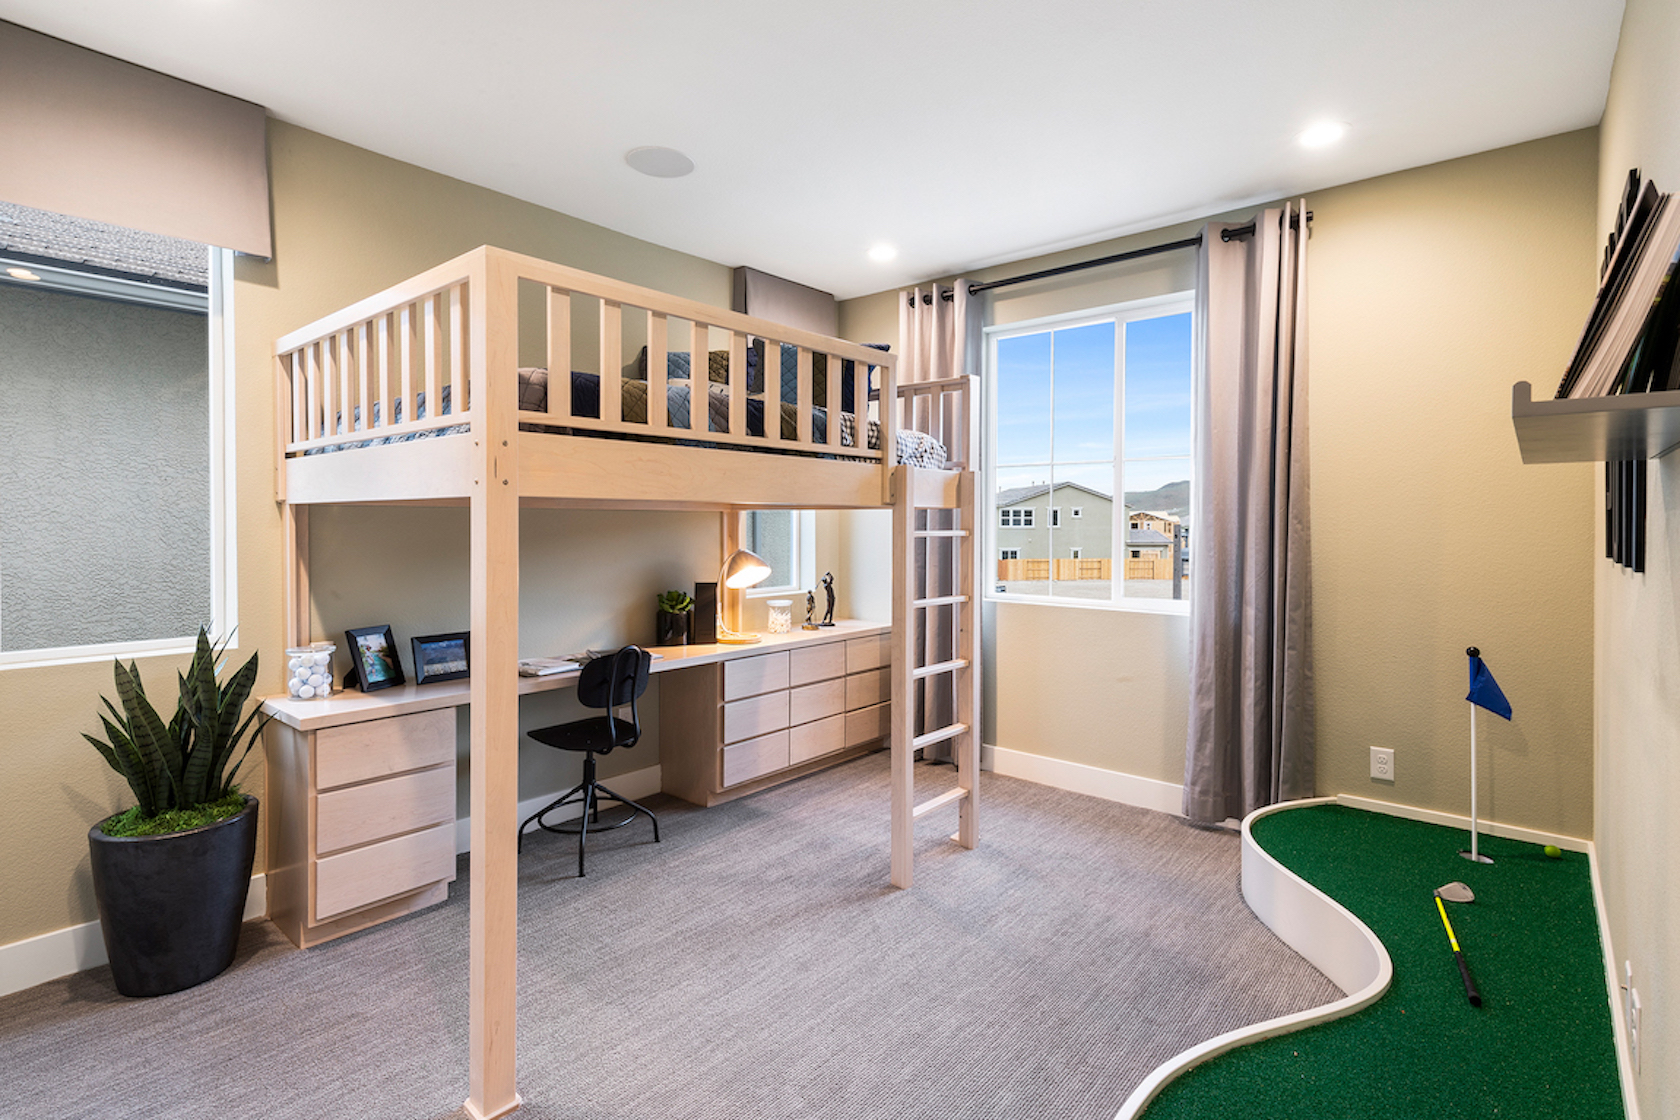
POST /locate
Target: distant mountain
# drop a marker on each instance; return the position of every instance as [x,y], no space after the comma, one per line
[1173,498]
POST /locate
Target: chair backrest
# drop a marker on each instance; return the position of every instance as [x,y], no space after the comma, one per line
[613,681]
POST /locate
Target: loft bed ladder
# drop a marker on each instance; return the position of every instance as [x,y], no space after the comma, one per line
[936,624]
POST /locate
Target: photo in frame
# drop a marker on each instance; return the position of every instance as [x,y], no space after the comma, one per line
[374,663]
[441,657]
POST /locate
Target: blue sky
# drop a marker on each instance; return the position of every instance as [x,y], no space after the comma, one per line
[1157,413]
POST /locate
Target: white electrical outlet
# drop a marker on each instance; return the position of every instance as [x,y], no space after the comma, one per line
[1633,1027]
[1382,764]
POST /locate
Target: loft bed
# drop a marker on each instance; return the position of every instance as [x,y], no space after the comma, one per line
[354,425]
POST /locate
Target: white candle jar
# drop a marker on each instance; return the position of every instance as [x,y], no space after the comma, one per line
[309,671]
[781,616]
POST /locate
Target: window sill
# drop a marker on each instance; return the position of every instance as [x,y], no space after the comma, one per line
[1180,607]
[82,655]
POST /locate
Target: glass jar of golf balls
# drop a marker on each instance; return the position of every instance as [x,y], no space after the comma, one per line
[309,671]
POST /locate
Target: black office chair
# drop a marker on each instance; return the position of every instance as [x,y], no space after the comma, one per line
[607,682]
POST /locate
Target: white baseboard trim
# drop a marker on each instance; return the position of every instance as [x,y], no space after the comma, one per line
[47,956]
[635,785]
[1613,985]
[1454,820]
[1110,785]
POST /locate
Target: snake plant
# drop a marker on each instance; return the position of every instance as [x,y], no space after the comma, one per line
[183,763]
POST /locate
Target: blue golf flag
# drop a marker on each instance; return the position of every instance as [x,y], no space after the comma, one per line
[1484,690]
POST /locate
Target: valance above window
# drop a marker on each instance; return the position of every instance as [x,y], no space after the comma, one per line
[86,134]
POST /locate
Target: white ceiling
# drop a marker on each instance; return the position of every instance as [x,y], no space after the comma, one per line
[963,133]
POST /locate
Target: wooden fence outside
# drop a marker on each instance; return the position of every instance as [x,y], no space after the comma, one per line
[1065,570]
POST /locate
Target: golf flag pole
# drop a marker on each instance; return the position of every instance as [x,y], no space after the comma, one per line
[1484,693]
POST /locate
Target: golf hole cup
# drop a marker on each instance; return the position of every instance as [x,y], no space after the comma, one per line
[309,671]
[781,616]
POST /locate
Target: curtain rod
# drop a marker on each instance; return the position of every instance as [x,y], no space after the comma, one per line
[1132,255]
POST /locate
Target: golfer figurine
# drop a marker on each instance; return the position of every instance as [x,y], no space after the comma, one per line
[810,609]
[828,589]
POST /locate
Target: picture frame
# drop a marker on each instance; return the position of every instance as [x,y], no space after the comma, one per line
[374,663]
[442,657]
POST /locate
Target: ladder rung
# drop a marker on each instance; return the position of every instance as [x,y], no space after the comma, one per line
[939,802]
[940,601]
[941,533]
[942,667]
[939,736]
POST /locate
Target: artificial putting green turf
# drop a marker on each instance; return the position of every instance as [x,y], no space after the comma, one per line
[1539,1046]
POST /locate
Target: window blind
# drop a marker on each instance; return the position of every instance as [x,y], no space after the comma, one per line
[86,134]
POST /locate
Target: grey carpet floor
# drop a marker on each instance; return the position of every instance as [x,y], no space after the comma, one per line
[754,964]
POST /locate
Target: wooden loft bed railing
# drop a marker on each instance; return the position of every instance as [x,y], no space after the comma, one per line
[372,375]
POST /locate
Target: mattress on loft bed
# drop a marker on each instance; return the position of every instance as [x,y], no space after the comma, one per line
[914,448]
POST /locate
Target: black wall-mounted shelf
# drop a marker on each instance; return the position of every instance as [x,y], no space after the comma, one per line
[1595,429]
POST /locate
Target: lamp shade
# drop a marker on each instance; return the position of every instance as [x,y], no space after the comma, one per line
[743,569]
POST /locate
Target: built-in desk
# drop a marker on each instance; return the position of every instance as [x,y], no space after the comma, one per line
[360,801]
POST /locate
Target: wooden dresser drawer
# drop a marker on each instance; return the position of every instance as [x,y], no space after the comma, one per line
[807,664]
[814,701]
[813,740]
[376,810]
[379,871]
[868,723]
[872,652]
[359,751]
[749,676]
[760,715]
[866,689]
[754,758]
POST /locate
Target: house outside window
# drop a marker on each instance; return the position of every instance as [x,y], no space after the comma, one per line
[1094,407]
[116,457]
[1015,518]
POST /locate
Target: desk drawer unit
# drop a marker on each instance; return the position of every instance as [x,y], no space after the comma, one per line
[873,652]
[816,663]
[745,719]
[751,676]
[356,752]
[361,814]
[742,762]
[868,688]
[816,701]
[735,726]
[363,876]
[361,822]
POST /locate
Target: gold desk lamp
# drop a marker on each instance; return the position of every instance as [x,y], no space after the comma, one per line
[743,569]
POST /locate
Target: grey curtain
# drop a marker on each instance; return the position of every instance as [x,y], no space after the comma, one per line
[1251,693]
[937,338]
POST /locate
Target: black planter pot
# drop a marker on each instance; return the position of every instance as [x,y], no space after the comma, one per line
[671,628]
[170,907]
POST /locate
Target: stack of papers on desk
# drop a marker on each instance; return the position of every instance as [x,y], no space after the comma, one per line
[548,666]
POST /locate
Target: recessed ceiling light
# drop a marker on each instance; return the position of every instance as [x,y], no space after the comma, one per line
[883,253]
[1323,134]
[661,163]
[21,274]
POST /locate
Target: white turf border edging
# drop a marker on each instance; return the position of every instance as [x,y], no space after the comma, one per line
[77,948]
[1312,923]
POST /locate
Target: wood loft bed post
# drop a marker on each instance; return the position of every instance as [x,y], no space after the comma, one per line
[492,345]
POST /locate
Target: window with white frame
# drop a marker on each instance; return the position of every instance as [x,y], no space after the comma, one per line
[1019,518]
[1094,406]
[116,444]
[1009,554]
[786,539]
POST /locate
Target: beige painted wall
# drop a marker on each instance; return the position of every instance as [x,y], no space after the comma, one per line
[346,224]
[1638,616]
[1432,290]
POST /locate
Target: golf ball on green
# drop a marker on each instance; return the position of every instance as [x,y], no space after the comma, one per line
[1554,851]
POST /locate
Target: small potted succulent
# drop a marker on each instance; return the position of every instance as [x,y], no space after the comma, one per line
[676,608]
[170,874]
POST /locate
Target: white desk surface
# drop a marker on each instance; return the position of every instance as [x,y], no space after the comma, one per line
[350,706]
